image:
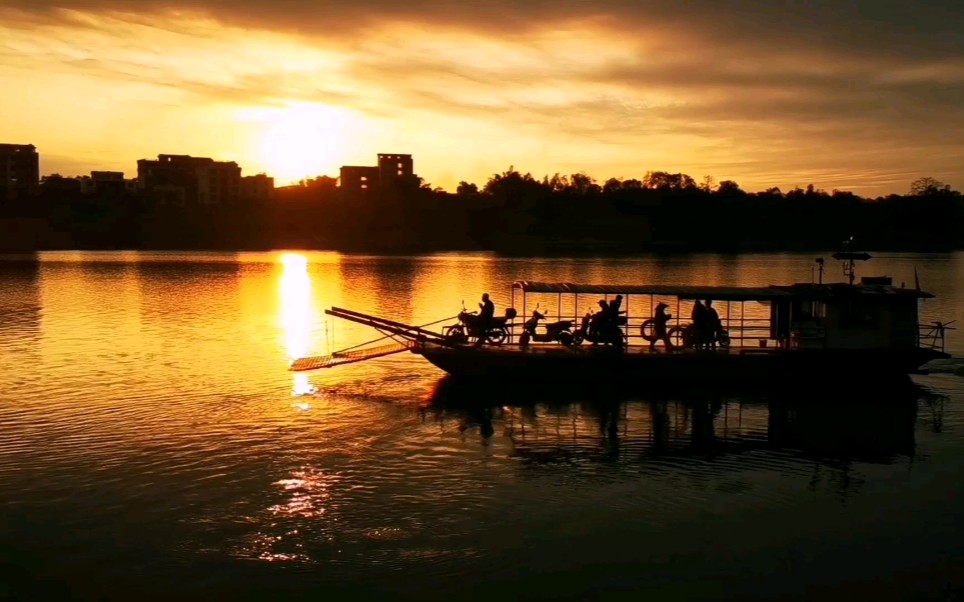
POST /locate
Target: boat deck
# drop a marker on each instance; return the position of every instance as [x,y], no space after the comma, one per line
[557,362]
[638,350]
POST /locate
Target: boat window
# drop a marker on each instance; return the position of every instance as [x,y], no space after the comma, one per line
[811,310]
[860,316]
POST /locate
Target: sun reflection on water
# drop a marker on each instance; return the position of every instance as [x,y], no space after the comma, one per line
[307,491]
[302,387]
[297,314]
[306,504]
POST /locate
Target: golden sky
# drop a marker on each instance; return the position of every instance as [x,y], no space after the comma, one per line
[865,95]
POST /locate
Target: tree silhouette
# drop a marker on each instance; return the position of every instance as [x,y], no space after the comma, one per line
[708,184]
[928,186]
[466,188]
[661,180]
[580,183]
[729,188]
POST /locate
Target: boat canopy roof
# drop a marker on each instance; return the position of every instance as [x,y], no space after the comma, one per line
[717,293]
[720,293]
[840,289]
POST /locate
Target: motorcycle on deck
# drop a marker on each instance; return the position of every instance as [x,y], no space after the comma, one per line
[471,330]
[560,331]
[601,332]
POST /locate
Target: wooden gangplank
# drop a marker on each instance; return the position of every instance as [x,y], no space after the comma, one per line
[411,336]
[340,358]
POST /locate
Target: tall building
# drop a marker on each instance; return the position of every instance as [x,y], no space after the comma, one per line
[357,178]
[183,179]
[104,182]
[19,170]
[258,188]
[393,170]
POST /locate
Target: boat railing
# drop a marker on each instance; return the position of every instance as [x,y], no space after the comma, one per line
[931,336]
[742,332]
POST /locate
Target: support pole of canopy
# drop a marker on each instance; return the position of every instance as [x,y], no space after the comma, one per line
[627,319]
[729,324]
[513,305]
[525,316]
[790,325]
[742,322]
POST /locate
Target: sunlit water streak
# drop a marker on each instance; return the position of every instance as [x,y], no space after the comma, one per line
[298,316]
[149,431]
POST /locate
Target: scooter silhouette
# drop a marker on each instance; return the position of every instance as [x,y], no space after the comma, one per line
[560,331]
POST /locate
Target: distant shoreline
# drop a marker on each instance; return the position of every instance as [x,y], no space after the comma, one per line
[514,215]
[27,254]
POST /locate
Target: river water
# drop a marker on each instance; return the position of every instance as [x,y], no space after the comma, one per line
[153,445]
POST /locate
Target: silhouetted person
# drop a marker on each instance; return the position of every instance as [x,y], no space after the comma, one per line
[615,321]
[585,325]
[487,312]
[713,324]
[699,317]
[597,325]
[662,332]
[614,309]
[485,318]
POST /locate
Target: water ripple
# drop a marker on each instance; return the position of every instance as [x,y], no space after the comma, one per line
[147,421]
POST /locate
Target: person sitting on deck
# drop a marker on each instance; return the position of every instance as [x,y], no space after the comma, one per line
[486,315]
[585,326]
[713,325]
[597,325]
[488,311]
[662,333]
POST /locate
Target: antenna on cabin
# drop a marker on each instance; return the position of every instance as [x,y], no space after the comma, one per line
[848,256]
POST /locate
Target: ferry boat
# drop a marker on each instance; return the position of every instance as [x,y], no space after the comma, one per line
[868,329]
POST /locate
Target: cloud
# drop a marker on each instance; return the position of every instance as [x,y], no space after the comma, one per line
[743,85]
[878,27]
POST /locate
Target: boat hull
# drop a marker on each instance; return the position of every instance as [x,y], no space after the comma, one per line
[588,364]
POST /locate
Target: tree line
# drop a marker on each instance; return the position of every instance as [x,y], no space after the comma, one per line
[515,212]
[512,213]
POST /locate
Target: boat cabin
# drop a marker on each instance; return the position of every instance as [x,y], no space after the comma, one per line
[871,315]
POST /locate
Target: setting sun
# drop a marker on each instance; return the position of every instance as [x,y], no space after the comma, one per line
[300,141]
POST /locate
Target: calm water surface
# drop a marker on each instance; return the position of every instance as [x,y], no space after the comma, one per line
[153,445]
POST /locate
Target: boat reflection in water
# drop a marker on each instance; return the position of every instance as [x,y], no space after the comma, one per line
[622,426]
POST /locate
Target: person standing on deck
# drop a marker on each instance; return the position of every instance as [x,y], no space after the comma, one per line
[713,324]
[699,325]
[614,309]
[613,322]
[662,333]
